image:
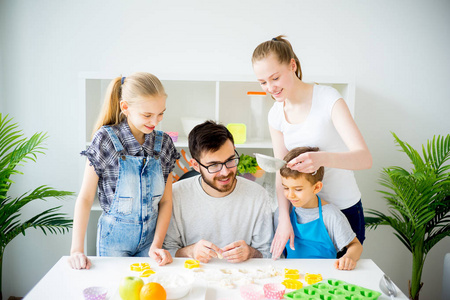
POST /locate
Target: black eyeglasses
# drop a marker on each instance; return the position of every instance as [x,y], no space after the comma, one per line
[231,163]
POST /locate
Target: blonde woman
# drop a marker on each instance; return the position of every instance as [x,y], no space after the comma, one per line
[311,115]
[130,163]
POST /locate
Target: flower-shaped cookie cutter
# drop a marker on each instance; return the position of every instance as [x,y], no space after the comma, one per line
[138,267]
[292,284]
[313,278]
[291,273]
[191,264]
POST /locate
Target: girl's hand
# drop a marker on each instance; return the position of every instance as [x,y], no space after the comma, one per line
[282,235]
[78,260]
[161,256]
[345,263]
[308,162]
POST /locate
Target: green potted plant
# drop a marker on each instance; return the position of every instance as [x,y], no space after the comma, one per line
[418,202]
[248,167]
[15,150]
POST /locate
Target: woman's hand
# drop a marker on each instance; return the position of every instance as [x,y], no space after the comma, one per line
[308,162]
[161,256]
[78,260]
[282,235]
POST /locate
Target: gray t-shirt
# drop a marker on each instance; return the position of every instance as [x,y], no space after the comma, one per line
[244,214]
[337,225]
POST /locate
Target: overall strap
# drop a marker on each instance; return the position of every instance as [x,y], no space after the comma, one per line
[115,140]
[158,141]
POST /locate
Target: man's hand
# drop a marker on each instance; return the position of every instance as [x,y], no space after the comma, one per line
[203,251]
[239,251]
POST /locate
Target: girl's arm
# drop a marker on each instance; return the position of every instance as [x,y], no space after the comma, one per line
[284,231]
[156,252]
[348,261]
[358,156]
[78,259]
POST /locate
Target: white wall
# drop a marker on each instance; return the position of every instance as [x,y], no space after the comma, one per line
[397,52]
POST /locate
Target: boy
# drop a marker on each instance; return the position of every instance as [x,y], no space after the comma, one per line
[320,228]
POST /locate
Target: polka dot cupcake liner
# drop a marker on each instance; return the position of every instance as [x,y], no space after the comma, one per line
[252,292]
[274,290]
[95,293]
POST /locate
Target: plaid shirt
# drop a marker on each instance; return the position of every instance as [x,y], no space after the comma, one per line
[104,158]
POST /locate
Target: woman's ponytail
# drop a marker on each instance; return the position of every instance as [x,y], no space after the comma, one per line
[281,48]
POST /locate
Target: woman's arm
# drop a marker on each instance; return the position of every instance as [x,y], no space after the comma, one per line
[164,214]
[357,157]
[284,231]
[83,205]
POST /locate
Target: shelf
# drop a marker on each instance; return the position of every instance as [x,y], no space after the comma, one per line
[182,142]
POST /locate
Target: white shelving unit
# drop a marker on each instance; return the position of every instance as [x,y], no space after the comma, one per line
[220,98]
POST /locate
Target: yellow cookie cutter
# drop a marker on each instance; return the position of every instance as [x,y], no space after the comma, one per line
[313,278]
[291,273]
[191,263]
[138,267]
[146,273]
[292,284]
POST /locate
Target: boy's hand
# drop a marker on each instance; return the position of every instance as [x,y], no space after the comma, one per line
[345,263]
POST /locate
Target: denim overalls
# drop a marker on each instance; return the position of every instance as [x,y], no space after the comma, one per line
[128,228]
[311,239]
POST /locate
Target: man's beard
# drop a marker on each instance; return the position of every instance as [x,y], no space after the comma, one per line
[224,188]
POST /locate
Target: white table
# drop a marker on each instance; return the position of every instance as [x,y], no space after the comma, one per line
[62,282]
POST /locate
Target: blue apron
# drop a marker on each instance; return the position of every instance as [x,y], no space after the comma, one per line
[311,239]
[128,228]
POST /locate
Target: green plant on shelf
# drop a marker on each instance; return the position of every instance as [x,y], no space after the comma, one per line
[247,164]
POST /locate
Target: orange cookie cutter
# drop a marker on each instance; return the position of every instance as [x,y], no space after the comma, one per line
[292,284]
[291,274]
[313,278]
[191,264]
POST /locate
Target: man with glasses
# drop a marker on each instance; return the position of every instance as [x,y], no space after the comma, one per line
[216,213]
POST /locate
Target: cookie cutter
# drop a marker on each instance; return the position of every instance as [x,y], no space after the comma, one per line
[313,278]
[291,274]
[138,267]
[191,264]
[292,284]
[147,273]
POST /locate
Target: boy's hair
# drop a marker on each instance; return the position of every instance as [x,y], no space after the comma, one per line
[311,177]
[208,136]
